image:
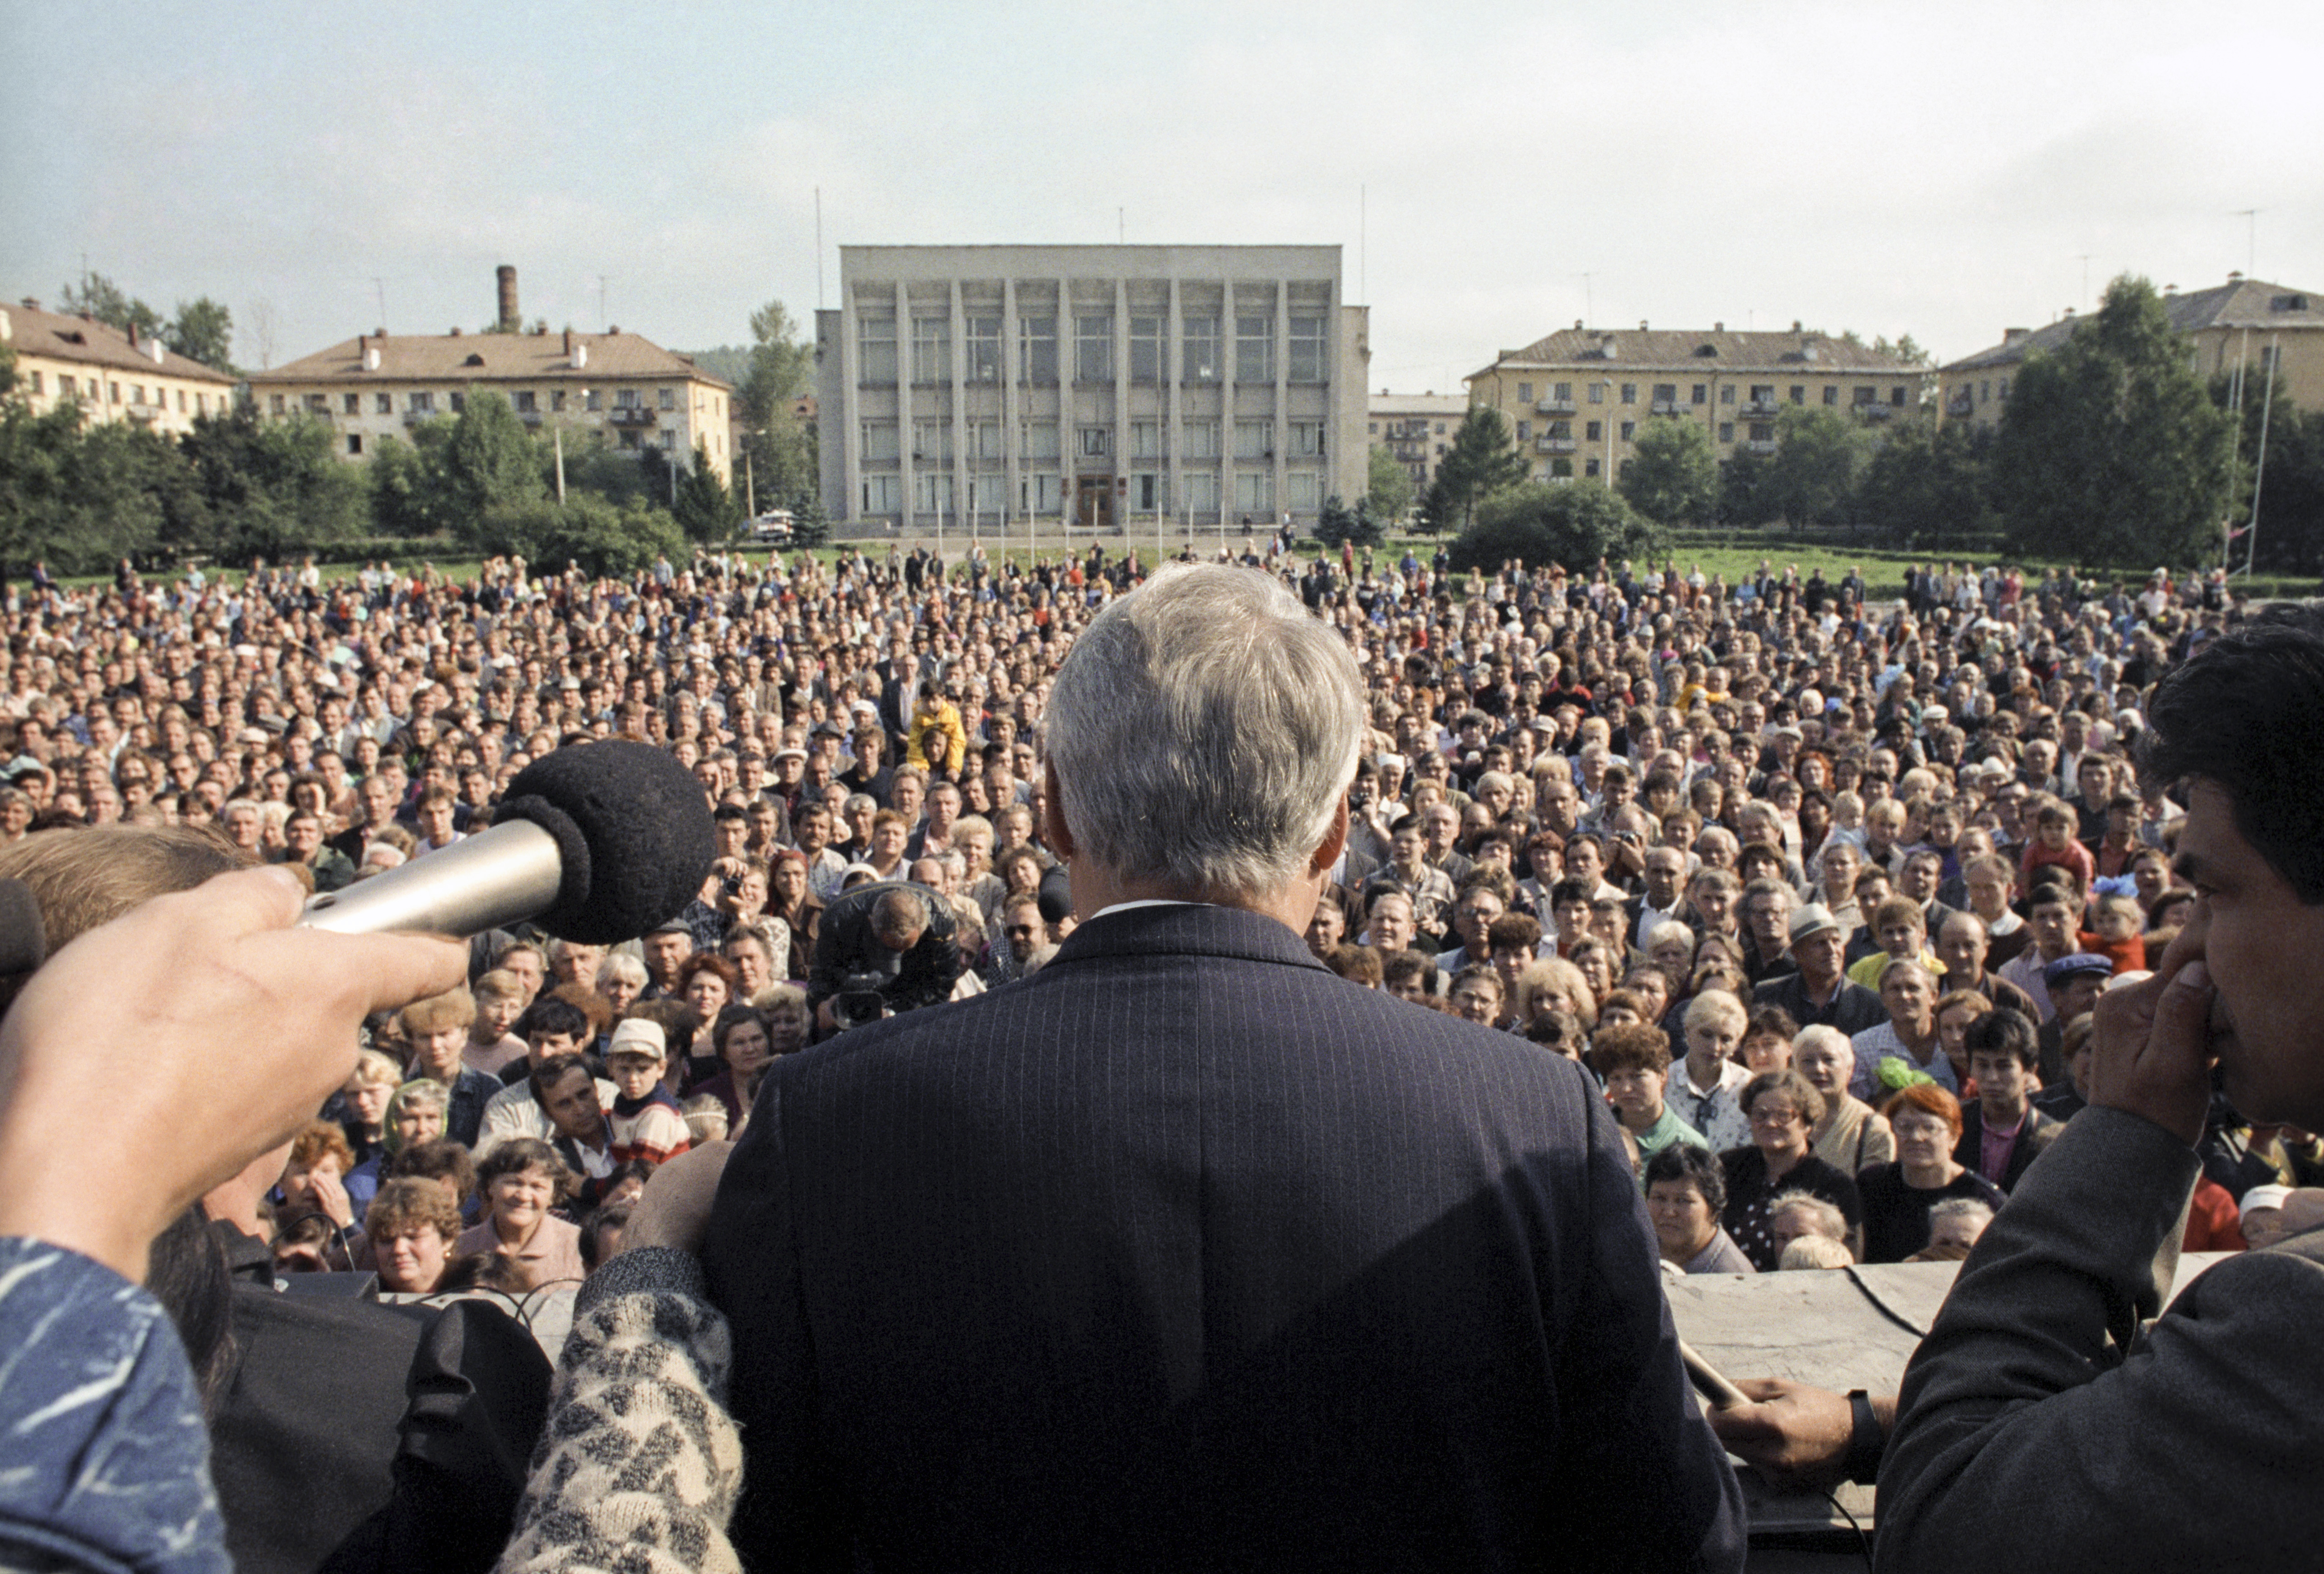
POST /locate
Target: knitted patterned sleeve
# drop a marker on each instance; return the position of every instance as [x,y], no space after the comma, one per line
[639,1464]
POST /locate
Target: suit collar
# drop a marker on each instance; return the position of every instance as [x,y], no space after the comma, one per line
[1186,927]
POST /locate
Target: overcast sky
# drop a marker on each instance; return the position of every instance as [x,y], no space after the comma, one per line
[1941,169]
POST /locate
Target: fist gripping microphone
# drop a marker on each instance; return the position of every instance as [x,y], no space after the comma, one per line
[596,842]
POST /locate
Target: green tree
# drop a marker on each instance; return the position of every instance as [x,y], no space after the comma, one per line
[203,330]
[1820,454]
[602,538]
[411,496]
[1387,485]
[705,510]
[1540,523]
[810,526]
[1337,522]
[264,488]
[489,461]
[1482,460]
[780,469]
[1928,485]
[81,497]
[2110,451]
[1673,475]
[106,301]
[1742,489]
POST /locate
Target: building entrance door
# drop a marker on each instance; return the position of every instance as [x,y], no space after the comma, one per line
[1094,501]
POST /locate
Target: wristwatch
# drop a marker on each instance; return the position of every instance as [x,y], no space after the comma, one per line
[1865,1443]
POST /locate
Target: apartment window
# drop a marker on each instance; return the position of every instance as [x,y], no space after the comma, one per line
[1254,349]
[320,404]
[112,396]
[880,443]
[1561,469]
[2005,389]
[459,401]
[1725,431]
[1146,495]
[1146,439]
[1597,393]
[1629,430]
[1564,391]
[1093,348]
[1199,440]
[354,443]
[984,347]
[1199,363]
[1525,431]
[1763,431]
[1146,349]
[932,349]
[1302,491]
[1306,350]
[985,439]
[422,402]
[1629,393]
[667,397]
[1665,395]
[1590,467]
[1831,393]
[883,494]
[1201,490]
[1439,429]
[1984,392]
[1255,491]
[556,401]
[1559,429]
[932,442]
[1039,493]
[528,402]
[36,384]
[1896,396]
[384,403]
[1375,426]
[1037,348]
[1525,394]
[1091,442]
[349,403]
[628,398]
[1726,393]
[1040,441]
[181,400]
[1763,393]
[628,438]
[1867,396]
[1701,392]
[65,387]
[1593,431]
[670,439]
[932,491]
[1254,440]
[1306,440]
[1799,393]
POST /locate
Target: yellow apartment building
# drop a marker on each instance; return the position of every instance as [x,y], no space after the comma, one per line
[112,376]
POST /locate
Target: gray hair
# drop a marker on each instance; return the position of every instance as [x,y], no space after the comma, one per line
[1202,730]
[1824,1217]
[1959,1208]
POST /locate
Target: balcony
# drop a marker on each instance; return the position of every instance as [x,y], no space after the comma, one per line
[630,415]
[1874,412]
[1758,444]
[1763,408]
[1557,445]
[412,418]
[1555,407]
[1665,406]
[1961,408]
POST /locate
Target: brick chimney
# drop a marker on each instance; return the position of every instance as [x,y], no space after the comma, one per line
[510,318]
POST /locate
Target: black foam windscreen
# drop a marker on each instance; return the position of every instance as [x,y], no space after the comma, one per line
[23,938]
[633,829]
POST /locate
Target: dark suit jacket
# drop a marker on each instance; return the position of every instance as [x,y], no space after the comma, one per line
[1184,1254]
[2039,1132]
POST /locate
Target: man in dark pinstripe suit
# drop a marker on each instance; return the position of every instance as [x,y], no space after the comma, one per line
[1184,1253]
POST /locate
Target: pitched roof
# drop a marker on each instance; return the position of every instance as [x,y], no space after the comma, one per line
[2239,303]
[489,358]
[83,339]
[1677,349]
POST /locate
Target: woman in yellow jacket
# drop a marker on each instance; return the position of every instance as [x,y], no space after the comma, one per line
[935,740]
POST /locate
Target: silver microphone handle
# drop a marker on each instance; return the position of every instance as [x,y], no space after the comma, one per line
[496,878]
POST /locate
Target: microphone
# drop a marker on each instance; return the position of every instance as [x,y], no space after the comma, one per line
[596,842]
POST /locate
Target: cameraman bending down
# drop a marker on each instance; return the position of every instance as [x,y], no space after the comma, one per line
[883,948]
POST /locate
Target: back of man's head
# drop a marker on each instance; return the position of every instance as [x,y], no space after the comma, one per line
[1202,730]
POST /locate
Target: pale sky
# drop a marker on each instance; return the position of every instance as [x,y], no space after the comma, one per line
[1938,170]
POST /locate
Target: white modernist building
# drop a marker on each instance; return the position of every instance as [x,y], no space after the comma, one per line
[1103,388]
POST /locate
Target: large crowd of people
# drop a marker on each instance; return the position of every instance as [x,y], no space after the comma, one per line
[1822,890]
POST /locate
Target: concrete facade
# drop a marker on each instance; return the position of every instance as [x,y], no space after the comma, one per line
[1094,387]
[2244,322]
[1576,399]
[112,376]
[1416,428]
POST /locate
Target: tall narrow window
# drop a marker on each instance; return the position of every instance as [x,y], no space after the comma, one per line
[932,349]
[1093,348]
[1037,348]
[875,349]
[1146,349]
[1307,351]
[984,349]
[1254,349]
[1201,363]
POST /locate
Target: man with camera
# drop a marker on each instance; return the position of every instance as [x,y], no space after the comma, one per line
[884,947]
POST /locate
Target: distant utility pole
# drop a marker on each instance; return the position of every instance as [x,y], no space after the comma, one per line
[2250,216]
[601,318]
[2086,280]
[818,248]
[379,288]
